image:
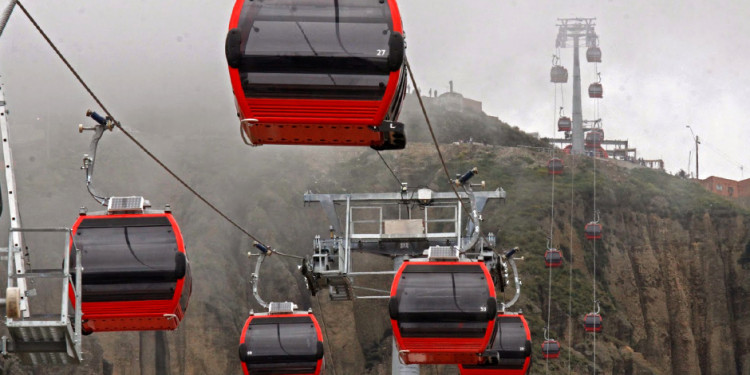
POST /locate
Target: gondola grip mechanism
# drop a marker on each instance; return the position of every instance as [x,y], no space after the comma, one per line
[463,179]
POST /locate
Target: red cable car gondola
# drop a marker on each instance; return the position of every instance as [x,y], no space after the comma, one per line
[442,312]
[318,73]
[564,124]
[596,90]
[512,344]
[550,349]
[555,166]
[592,322]
[594,54]
[594,138]
[136,275]
[282,343]
[553,258]
[558,74]
[593,231]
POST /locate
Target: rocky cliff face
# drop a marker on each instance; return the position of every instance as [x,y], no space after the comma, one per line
[673,269]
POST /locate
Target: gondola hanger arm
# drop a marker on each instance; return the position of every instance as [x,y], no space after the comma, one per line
[89,159]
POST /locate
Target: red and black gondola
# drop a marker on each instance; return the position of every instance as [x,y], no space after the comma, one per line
[318,72]
[281,344]
[592,322]
[553,258]
[136,275]
[594,54]
[594,138]
[564,124]
[596,90]
[442,312]
[509,351]
[550,349]
[558,74]
[593,231]
[555,166]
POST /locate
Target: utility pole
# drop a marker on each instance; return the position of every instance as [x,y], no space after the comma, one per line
[697,142]
[697,174]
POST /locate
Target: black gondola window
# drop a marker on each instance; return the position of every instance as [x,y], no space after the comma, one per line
[442,304]
[127,259]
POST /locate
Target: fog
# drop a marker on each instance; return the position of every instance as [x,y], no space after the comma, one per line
[160,69]
[665,65]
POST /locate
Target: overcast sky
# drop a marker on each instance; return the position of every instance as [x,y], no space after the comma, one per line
[665,65]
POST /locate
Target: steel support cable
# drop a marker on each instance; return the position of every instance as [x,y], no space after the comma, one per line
[389,168]
[551,230]
[325,332]
[570,266]
[562,95]
[437,146]
[726,158]
[596,218]
[6,15]
[134,140]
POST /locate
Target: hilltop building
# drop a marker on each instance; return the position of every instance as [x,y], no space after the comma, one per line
[726,187]
[454,101]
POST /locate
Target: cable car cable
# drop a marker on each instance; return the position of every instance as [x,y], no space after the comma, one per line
[726,158]
[570,266]
[133,139]
[389,168]
[325,332]
[596,218]
[551,231]
[437,146]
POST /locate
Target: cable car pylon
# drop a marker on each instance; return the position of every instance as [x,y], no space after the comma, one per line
[37,339]
[578,30]
[422,229]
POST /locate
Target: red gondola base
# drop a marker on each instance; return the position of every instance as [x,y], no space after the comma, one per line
[550,349]
[564,124]
[593,231]
[553,258]
[319,92]
[136,275]
[509,352]
[594,54]
[596,91]
[592,322]
[287,343]
[438,334]
[555,166]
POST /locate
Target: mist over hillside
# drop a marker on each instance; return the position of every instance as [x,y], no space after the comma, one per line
[672,268]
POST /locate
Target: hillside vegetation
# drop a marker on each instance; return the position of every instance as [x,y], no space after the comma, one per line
[673,275]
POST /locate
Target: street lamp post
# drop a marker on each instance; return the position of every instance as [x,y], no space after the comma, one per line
[697,142]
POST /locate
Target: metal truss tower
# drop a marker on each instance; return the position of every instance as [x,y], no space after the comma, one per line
[399,225]
[574,29]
